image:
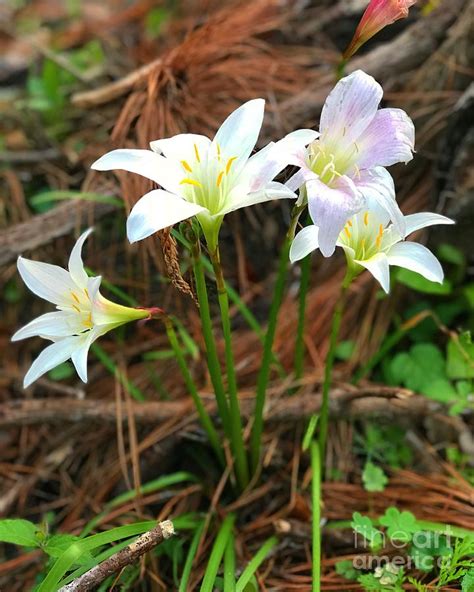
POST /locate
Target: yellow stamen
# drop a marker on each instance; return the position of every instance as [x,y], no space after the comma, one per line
[88,321]
[74,295]
[350,223]
[366,218]
[229,164]
[86,292]
[218,151]
[219,178]
[186,166]
[76,308]
[190,182]
[379,236]
[347,231]
[196,152]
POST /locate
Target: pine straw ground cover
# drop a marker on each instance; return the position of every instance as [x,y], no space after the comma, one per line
[68,451]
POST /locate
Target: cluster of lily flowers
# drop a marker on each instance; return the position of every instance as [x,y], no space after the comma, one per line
[341,177]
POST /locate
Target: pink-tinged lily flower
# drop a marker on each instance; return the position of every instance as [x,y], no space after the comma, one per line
[202,177]
[370,241]
[82,314]
[344,166]
[377,15]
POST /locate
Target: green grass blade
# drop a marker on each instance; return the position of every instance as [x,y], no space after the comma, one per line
[229,565]
[46,197]
[183,585]
[150,487]
[111,366]
[72,554]
[216,554]
[255,563]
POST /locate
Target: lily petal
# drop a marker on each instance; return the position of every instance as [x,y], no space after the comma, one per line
[388,139]
[49,358]
[50,282]
[52,324]
[183,147]
[238,134]
[378,188]
[417,258]
[76,265]
[424,219]
[80,353]
[156,210]
[304,243]
[378,265]
[239,198]
[330,208]
[153,166]
[349,109]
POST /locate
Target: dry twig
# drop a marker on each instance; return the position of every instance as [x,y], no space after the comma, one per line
[145,542]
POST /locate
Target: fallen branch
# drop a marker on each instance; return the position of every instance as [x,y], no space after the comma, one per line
[44,228]
[92,578]
[371,401]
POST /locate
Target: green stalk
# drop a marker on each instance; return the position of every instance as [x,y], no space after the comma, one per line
[336,323]
[241,465]
[303,292]
[188,379]
[316,518]
[264,373]
[211,349]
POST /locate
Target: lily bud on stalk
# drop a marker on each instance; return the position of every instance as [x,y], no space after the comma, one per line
[82,314]
[378,14]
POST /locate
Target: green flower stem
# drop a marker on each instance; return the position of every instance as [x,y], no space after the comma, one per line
[303,292]
[241,464]
[264,373]
[336,323]
[316,517]
[190,385]
[211,349]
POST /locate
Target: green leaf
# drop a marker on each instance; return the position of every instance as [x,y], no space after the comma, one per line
[460,357]
[451,254]
[347,570]
[344,350]
[363,525]
[400,525]
[373,477]
[58,543]
[61,372]
[420,284]
[467,583]
[19,532]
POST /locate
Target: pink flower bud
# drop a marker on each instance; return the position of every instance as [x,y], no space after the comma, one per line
[378,14]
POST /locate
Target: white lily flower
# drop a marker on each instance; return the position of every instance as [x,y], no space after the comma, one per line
[371,242]
[82,314]
[204,178]
[344,166]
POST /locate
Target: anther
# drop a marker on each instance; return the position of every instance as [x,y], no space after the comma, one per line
[186,166]
[219,178]
[74,295]
[229,164]
[196,152]
[366,218]
[190,182]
